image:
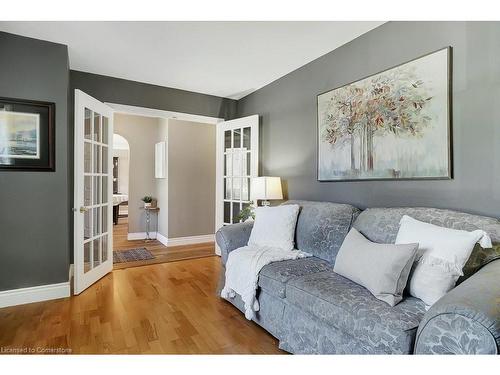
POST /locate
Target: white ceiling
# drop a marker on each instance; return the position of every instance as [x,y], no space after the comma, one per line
[228,59]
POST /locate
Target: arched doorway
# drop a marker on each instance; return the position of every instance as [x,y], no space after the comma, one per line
[121,162]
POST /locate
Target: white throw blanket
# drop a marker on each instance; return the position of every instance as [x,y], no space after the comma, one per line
[242,272]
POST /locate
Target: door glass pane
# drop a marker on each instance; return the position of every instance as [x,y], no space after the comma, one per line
[104,196]
[88,124]
[97,251]
[97,221]
[227,212]
[97,127]
[87,248]
[236,138]
[104,248]
[97,189]
[245,189]
[245,205]
[227,140]
[104,130]
[87,157]
[237,188]
[97,159]
[236,212]
[247,132]
[245,169]
[248,159]
[87,225]
[104,218]
[228,165]
[237,163]
[104,160]
[87,191]
[227,189]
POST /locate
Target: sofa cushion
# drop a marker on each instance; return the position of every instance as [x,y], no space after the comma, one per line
[273,277]
[322,227]
[353,309]
[382,224]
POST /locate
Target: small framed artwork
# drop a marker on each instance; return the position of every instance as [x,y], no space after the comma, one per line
[393,125]
[27,135]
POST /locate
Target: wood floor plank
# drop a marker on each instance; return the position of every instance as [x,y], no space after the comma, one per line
[161,252]
[169,308]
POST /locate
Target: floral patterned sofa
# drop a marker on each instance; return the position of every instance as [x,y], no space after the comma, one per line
[311,309]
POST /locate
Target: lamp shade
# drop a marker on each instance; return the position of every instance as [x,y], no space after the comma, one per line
[266,188]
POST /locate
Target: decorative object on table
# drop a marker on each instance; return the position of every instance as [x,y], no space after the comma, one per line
[147,201]
[392,125]
[247,213]
[27,135]
[161,160]
[266,188]
[132,255]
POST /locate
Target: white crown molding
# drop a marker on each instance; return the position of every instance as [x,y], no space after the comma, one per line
[21,296]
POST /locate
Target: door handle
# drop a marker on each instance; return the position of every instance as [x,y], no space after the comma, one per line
[83,209]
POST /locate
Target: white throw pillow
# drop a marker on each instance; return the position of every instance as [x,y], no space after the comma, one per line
[442,253]
[275,226]
[383,269]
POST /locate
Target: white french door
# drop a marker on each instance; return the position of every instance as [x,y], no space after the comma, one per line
[237,162]
[93,228]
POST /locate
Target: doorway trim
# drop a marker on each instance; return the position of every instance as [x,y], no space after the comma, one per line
[170,115]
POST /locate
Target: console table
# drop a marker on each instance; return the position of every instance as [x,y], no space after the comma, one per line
[149,211]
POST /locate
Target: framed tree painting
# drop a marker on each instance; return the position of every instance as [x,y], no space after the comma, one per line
[393,125]
[27,138]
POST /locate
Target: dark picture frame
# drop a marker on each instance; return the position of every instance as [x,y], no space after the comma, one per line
[448,124]
[27,135]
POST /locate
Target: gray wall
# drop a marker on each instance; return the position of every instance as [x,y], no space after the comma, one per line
[35,212]
[288,117]
[162,184]
[142,133]
[121,91]
[191,179]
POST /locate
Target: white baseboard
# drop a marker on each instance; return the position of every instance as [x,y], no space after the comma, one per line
[190,240]
[140,236]
[178,241]
[34,294]
[160,237]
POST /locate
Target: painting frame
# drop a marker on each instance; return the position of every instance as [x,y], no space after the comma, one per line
[44,159]
[449,122]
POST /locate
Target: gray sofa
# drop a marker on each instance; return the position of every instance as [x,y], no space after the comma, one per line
[311,309]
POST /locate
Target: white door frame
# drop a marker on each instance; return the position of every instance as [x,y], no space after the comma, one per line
[167,115]
[248,121]
[83,280]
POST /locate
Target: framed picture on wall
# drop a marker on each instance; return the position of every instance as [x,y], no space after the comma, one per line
[393,125]
[27,135]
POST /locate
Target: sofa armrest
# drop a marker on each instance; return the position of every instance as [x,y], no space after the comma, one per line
[467,319]
[233,236]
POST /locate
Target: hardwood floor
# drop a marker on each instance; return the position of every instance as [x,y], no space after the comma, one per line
[161,252]
[161,308]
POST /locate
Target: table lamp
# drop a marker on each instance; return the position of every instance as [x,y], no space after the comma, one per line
[266,188]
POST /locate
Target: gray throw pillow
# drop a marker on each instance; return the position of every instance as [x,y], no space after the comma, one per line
[383,269]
